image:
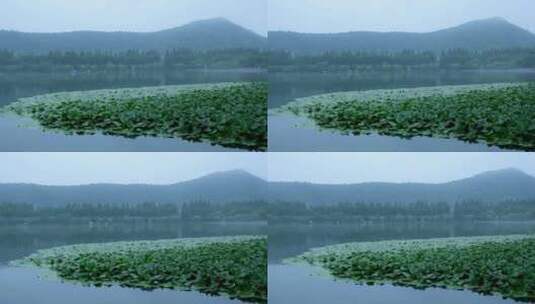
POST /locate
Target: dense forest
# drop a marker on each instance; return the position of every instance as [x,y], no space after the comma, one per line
[194,211]
[454,58]
[277,60]
[463,210]
[282,211]
[176,58]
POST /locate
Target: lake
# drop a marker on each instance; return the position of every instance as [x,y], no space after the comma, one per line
[16,136]
[22,285]
[289,133]
[305,284]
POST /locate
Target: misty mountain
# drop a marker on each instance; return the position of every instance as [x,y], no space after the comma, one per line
[242,186]
[218,188]
[493,186]
[493,33]
[209,34]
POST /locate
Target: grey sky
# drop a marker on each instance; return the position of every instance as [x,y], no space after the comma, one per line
[390,167]
[124,168]
[319,16]
[126,15]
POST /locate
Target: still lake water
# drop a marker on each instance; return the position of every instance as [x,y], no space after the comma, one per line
[287,133]
[17,137]
[27,286]
[290,284]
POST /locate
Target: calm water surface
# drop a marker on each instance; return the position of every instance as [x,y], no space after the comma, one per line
[28,286]
[16,137]
[304,284]
[285,87]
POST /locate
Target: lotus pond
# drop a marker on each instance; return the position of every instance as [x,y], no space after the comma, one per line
[496,114]
[227,114]
[234,266]
[502,265]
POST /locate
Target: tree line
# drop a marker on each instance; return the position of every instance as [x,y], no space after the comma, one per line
[254,58]
[280,211]
[476,210]
[201,211]
[227,58]
[454,58]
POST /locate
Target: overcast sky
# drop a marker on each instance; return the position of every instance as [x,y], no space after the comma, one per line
[124,168]
[320,16]
[336,168]
[126,15]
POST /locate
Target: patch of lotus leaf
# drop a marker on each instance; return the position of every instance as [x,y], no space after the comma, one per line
[500,114]
[113,94]
[230,115]
[502,265]
[235,266]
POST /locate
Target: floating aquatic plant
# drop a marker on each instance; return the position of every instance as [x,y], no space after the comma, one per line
[489,265]
[498,114]
[231,115]
[235,266]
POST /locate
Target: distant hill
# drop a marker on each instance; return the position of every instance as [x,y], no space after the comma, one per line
[489,187]
[242,186]
[493,33]
[209,34]
[218,188]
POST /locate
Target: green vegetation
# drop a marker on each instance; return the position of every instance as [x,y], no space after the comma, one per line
[239,211]
[176,58]
[231,115]
[77,210]
[488,265]
[201,210]
[499,114]
[454,58]
[236,266]
[509,210]
[190,211]
[353,212]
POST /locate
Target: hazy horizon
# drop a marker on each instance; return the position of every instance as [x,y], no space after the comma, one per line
[352,168]
[319,168]
[53,16]
[123,168]
[318,16]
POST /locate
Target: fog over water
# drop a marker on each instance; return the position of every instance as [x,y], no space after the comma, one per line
[320,16]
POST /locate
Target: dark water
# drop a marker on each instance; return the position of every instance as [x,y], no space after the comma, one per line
[285,87]
[287,135]
[284,136]
[303,284]
[27,286]
[15,137]
[19,85]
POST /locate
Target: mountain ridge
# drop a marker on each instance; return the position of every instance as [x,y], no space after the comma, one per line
[481,34]
[208,34]
[240,185]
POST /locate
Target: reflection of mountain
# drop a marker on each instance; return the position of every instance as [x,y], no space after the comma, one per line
[217,187]
[489,186]
[478,35]
[203,35]
[242,186]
